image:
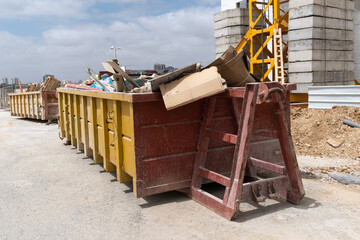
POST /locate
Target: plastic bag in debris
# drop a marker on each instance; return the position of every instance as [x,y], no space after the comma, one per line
[88,82]
[107,81]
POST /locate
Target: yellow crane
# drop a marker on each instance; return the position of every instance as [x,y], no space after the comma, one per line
[270,24]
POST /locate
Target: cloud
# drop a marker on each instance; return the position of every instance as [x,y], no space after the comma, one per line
[60,8]
[177,38]
[30,8]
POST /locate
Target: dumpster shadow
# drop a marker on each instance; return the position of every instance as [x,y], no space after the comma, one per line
[164,198]
[32,120]
[130,186]
[257,210]
[114,175]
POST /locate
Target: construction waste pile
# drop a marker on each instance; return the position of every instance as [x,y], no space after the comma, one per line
[180,87]
[50,84]
[325,133]
[331,136]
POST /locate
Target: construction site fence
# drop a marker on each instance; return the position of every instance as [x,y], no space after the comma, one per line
[4,97]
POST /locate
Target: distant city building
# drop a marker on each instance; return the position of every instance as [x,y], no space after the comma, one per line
[5,81]
[162,68]
[169,69]
[47,75]
[159,68]
[15,81]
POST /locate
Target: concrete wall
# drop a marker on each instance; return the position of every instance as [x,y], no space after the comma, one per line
[321,43]
[230,26]
[357,39]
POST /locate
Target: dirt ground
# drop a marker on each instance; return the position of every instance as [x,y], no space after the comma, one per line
[322,132]
[51,191]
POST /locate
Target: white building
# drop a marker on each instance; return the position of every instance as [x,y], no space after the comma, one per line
[231,4]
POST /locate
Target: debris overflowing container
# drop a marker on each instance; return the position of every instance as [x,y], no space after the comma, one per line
[214,139]
[42,105]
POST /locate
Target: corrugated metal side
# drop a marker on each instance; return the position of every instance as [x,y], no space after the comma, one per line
[323,97]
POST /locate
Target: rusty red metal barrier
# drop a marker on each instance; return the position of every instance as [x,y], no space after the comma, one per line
[262,113]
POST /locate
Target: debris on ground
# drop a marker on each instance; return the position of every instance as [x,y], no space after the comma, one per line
[321,133]
[345,179]
[324,168]
[335,143]
[351,124]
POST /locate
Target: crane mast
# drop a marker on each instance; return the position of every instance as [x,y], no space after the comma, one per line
[268,22]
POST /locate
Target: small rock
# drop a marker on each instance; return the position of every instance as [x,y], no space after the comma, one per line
[345,179]
[335,143]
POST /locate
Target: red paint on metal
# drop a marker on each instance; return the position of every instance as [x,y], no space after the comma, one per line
[216,177]
[268,166]
[21,89]
[212,139]
[225,137]
[264,115]
[77,86]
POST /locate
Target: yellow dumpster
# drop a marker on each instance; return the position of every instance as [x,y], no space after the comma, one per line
[42,105]
[134,135]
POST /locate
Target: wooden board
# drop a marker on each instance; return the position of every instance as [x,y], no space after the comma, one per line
[112,67]
[156,82]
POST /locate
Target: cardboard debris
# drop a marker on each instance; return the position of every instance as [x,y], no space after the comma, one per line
[234,68]
[192,88]
[166,78]
[229,54]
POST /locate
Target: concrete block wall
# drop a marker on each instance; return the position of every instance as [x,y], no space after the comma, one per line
[230,27]
[357,39]
[321,43]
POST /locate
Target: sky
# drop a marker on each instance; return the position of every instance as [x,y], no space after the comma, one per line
[62,37]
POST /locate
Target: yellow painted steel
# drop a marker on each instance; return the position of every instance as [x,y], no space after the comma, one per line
[255,35]
[27,105]
[298,97]
[102,125]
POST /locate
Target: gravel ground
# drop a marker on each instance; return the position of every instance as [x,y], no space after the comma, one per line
[51,191]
